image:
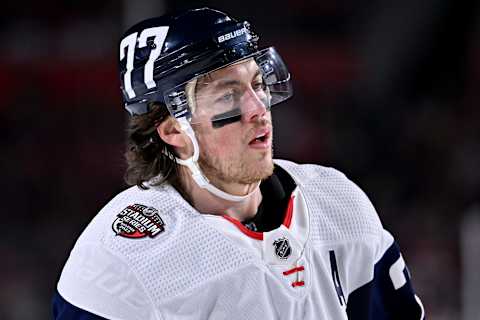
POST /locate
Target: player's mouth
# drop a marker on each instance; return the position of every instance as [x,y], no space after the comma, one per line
[261,140]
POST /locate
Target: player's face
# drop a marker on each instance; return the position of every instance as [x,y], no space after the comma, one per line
[235,149]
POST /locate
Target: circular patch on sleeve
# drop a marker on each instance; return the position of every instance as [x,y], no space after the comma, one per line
[138,221]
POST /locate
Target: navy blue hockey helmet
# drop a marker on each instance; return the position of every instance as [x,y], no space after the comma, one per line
[160,56]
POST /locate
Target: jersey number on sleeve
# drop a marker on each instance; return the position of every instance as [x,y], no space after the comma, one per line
[396,273]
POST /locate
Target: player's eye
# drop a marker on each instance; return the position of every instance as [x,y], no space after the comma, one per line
[259,85]
[226,97]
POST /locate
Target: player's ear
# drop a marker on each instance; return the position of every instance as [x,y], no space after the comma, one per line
[170,132]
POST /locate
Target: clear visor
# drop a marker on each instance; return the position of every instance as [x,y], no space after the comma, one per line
[225,94]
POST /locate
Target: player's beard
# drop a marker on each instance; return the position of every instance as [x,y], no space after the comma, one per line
[243,168]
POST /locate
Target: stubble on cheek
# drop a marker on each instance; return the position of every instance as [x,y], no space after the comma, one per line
[240,165]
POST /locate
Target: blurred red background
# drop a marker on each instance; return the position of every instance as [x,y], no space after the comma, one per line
[387,93]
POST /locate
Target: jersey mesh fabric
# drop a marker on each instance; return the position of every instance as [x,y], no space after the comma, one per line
[339,210]
[188,254]
[191,259]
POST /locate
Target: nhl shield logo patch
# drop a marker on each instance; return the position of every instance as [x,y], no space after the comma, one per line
[138,221]
[282,248]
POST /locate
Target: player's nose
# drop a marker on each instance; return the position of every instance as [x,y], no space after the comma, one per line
[255,106]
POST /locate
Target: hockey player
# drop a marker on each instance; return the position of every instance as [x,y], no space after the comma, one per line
[213,227]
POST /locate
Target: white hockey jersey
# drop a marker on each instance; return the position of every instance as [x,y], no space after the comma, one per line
[149,255]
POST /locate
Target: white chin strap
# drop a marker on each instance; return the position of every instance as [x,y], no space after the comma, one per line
[197,173]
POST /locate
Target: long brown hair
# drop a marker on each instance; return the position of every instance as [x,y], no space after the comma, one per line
[147,155]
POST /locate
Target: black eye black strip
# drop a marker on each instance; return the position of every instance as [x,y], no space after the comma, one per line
[222,119]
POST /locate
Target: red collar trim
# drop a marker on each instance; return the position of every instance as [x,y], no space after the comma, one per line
[248,232]
[289,214]
[287,221]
